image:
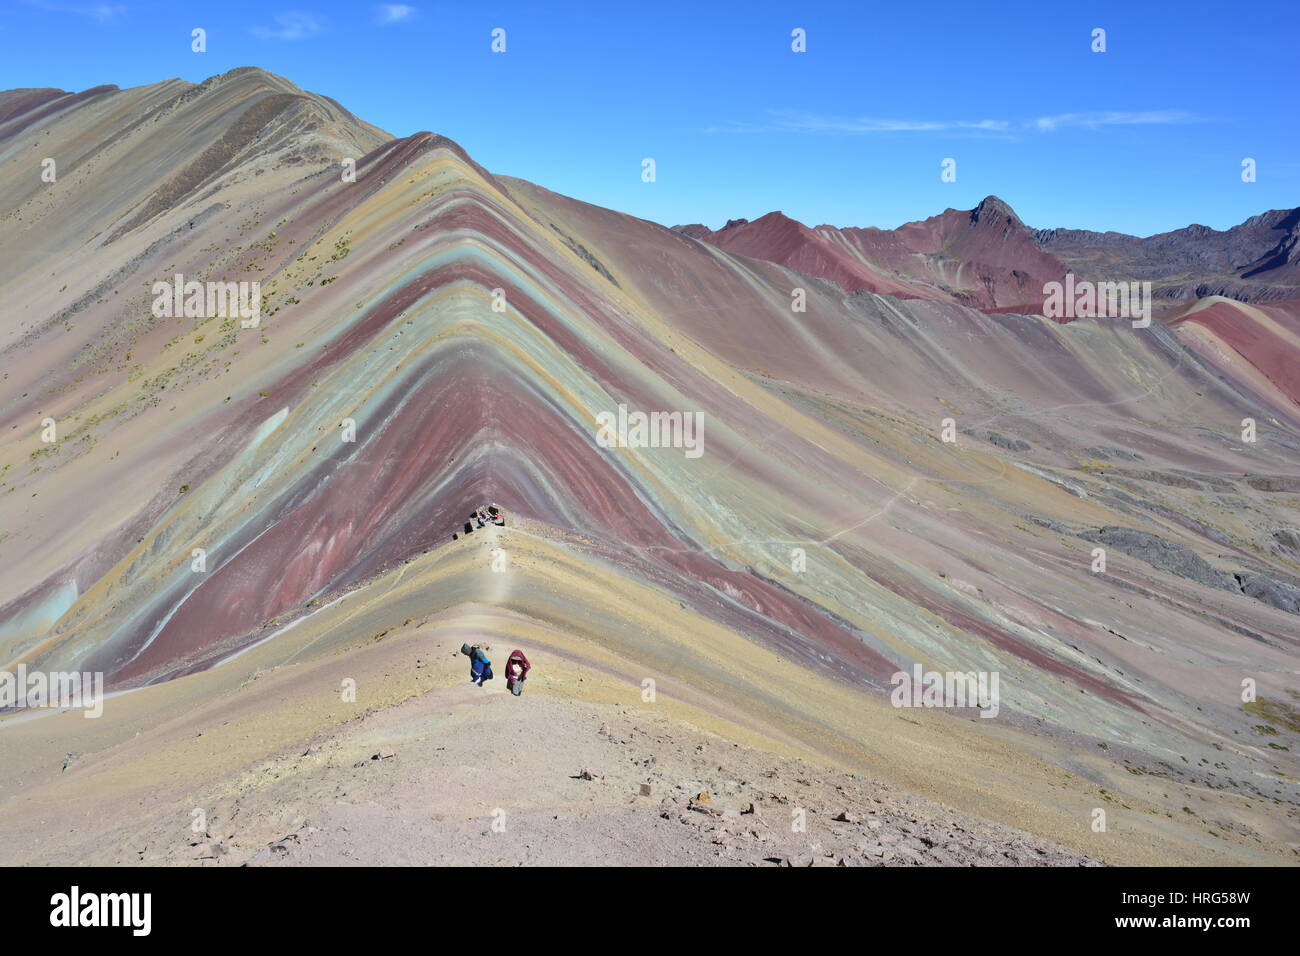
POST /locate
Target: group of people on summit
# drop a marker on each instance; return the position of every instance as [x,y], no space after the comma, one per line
[484,515]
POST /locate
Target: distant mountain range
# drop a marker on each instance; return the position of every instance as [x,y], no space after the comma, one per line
[987,258]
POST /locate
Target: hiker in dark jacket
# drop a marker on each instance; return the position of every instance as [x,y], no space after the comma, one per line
[516,672]
[480,668]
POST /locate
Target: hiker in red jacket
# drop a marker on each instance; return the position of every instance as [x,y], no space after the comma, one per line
[516,672]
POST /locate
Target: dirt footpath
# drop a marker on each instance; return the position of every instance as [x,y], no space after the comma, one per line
[463,775]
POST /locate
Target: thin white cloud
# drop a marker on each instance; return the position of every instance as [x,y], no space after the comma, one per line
[790,121]
[290,26]
[1112,118]
[100,12]
[396,13]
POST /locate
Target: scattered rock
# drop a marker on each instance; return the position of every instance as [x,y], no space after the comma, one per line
[1164,554]
[1286,483]
[707,808]
[1288,541]
[1279,594]
[1011,444]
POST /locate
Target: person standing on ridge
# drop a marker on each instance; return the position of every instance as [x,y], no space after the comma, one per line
[480,668]
[517,668]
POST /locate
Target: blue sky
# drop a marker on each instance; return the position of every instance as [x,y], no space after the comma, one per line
[1148,136]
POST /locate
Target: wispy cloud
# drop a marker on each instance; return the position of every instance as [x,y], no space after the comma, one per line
[396,13]
[1098,120]
[290,26]
[100,12]
[790,121]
